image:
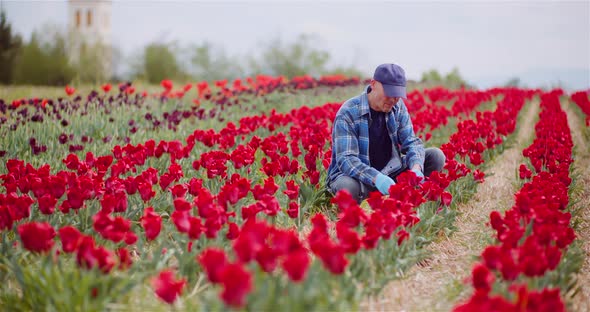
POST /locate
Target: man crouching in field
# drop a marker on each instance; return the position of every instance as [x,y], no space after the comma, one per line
[370,131]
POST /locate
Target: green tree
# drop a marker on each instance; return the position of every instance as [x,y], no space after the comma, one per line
[44,62]
[451,80]
[60,71]
[513,82]
[210,63]
[10,45]
[295,59]
[454,80]
[92,64]
[30,62]
[160,62]
[346,71]
[91,59]
[432,76]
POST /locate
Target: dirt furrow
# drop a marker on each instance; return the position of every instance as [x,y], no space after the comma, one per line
[438,282]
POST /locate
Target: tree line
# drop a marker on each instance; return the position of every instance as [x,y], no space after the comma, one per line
[47,59]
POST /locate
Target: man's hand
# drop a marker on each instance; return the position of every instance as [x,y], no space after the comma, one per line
[417,169]
[383,182]
[418,172]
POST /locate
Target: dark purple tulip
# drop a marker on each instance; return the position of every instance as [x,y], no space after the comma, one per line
[36,150]
[75,148]
[63,138]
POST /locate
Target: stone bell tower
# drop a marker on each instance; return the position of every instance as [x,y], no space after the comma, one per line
[89,25]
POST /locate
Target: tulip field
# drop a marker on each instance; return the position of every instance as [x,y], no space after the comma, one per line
[212,196]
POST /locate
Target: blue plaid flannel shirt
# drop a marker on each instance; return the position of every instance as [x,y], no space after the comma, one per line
[350,140]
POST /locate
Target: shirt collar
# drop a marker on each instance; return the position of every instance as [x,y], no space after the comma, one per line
[365,102]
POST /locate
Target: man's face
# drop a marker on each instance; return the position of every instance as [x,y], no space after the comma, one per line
[381,102]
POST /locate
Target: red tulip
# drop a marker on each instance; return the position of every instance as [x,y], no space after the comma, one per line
[296,264]
[36,236]
[70,238]
[166,84]
[47,204]
[125,260]
[167,287]
[213,261]
[237,283]
[482,278]
[478,176]
[293,211]
[70,90]
[233,231]
[152,223]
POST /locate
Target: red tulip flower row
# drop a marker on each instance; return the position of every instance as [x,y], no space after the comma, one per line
[261,84]
[581,98]
[428,114]
[38,109]
[533,235]
[435,115]
[487,130]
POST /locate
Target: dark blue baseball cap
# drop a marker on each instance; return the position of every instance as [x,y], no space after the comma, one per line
[393,79]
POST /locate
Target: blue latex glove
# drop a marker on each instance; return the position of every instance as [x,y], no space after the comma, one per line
[419,174]
[383,182]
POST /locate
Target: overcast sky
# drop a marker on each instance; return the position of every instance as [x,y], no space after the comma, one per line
[541,42]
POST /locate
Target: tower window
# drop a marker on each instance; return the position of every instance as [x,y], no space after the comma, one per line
[89,17]
[78,18]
